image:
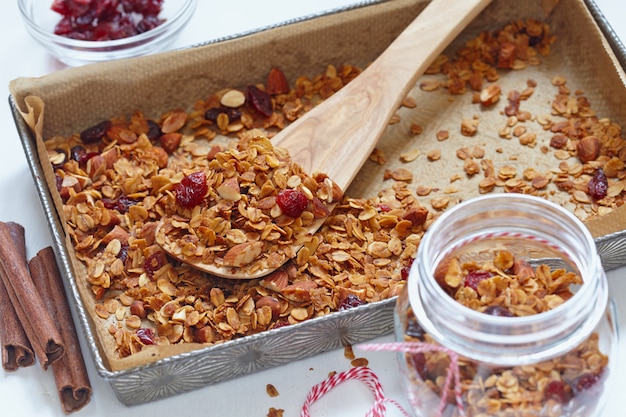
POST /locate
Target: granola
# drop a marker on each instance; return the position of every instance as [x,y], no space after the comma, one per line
[239,220]
[507,286]
[118,180]
[585,143]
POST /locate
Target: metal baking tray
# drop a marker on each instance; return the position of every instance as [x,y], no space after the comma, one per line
[192,370]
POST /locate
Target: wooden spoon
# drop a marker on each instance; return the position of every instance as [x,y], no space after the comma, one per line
[337,136]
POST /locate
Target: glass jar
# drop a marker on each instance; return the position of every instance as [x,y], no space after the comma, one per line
[506,313]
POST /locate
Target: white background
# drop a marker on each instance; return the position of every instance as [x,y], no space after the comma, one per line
[30,391]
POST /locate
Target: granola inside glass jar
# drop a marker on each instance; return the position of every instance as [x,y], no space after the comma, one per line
[506,313]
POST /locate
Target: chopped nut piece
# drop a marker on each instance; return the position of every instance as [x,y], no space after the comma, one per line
[490,95]
[233,98]
[434,154]
[409,102]
[429,85]
[442,135]
[416,129]
[440,203]
[402,174]
[469,127]
[471,167]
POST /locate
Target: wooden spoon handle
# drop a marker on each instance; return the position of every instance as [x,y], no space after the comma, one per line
[338,136]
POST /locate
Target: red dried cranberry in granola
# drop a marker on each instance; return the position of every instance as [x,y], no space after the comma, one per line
[292,202]
[191,190]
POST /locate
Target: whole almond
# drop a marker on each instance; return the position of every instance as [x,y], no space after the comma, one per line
[170,141]
[277,82]
[272,303]
[175,120]
[588,149]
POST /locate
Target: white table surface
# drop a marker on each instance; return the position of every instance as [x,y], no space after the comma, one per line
[31,392]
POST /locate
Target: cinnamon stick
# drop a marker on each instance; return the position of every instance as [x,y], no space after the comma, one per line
[39,327]
[16,349]
[69,372]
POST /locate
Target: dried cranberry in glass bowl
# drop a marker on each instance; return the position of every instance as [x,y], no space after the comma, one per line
[105,20]
[103,30]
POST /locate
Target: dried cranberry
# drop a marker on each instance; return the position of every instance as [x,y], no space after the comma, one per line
[154,131]
[419,364]
[121,204]
[473,278]
[123,253]
[80,154]
[585,382]
[292,202]
[213,113]
[144,7]
[60,6]
[105,8]
[86,157]
[598,185]
[279,324]
[71,7]
[58,182]
[95,133]
[145,335]
[154,262]
[147,23]
[85,20]
[191,190]
[405,271]
[104,20]
[65,27]
[384,207]
[350,301]
[260,100]
[77,152]
[558,391]
[116,27]
[498,311]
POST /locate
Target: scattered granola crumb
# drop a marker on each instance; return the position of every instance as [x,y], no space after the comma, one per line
[275,412]
[271,390]
[416,129]
[348,352]
[359,362]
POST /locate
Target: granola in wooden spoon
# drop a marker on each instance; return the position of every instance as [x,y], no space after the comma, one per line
[255,205]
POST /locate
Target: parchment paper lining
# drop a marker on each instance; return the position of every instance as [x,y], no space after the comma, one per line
[80,97]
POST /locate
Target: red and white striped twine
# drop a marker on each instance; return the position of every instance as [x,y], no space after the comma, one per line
[367,376]
[363,374]
[453,368]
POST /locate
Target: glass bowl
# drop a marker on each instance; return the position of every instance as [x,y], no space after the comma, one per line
[40,21]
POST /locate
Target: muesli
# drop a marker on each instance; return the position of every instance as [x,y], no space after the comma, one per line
[119,179]
[506,286]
